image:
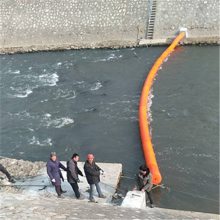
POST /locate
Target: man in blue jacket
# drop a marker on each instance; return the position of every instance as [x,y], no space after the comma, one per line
[72,174]
[53,171]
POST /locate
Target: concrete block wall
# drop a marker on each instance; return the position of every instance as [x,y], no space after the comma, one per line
[81,23]
[200,17]
[27,25]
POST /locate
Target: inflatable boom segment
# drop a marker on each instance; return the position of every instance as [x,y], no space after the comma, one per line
[144,124]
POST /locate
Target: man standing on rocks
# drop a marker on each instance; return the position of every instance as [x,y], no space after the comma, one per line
[53,171]
[3,170]
[72,175]
[92,172]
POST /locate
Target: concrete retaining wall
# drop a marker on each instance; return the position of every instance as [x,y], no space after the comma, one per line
[200,17]
[72,23]
[62,24]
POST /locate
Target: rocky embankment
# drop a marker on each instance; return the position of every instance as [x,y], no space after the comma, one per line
[20,170]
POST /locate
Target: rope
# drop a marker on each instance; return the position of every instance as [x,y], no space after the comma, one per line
[44,186]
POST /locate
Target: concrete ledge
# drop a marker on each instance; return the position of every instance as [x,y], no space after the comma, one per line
[8,49]
[107,44]
[145,42]
[186,41]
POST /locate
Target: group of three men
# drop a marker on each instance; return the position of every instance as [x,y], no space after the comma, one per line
[92,172]
[91,169]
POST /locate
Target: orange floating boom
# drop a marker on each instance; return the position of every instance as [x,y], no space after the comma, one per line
[147,145]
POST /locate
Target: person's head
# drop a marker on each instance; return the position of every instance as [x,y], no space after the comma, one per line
[90,158]
[53,156]
[144,169]
[75,157]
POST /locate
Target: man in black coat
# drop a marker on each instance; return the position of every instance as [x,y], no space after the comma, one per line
[72,174]
[92,172]
[3,170]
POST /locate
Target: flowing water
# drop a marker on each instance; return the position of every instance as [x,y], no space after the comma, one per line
[87,101]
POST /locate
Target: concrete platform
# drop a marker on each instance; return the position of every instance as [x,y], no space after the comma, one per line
[41,185]
[145,42]
[187,41]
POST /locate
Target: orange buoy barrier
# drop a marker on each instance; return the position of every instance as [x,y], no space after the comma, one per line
[147,145]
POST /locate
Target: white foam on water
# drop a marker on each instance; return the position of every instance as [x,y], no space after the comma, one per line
[78,82]
[27,93]
[16,72]
[24,85]
[61,122]
[45,100]
[96,86]
[23,114]
[100,60]
[47,115]
[202,155]
[20,92]
[49,79]
[36,141]
[112,56]
[59,63]
[166,59]
[57,122]
[149,101]
[65,93]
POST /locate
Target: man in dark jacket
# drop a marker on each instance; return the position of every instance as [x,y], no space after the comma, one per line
[53,171]
[3,170]
[92,172]
[144,179]
[72,174]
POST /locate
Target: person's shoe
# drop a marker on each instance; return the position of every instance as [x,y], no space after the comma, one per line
[60,197]
[93,200]
[11,180]
[80,198]
[63,191]
[102,196]
[152,205]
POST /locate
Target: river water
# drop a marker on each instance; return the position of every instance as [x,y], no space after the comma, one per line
[87,101]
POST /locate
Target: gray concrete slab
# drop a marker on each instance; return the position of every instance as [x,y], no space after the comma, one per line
[19,206]
[109,182]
